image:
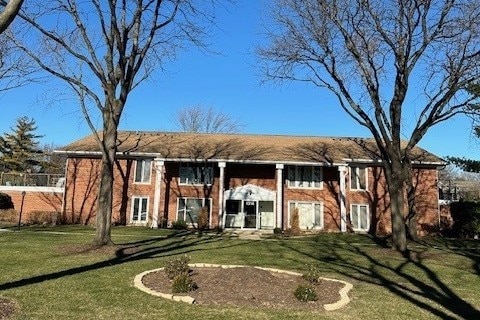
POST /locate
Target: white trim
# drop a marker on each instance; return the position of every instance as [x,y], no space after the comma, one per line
[159,166]
[367,213]
[33,189]
[139,221]
[312,203]
[279,214]
[221,205]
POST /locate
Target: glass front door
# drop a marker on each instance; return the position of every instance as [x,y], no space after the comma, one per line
[250,211]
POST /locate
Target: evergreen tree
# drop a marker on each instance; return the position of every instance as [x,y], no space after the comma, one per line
[19,149]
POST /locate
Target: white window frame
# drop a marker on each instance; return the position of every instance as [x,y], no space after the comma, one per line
[355,184]
[204,200]
[298,183]
[313,203]
[196,167]
[140,201]
[142,179]
[358,205]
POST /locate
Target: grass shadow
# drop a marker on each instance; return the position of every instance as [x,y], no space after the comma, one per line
[409,278]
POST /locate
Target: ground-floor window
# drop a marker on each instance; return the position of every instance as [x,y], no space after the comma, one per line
[310,214]
[359,217]
[139,209]
[189,208]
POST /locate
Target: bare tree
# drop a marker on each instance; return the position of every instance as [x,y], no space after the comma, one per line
[9,11]
[205,119]
[396,67]
[102,50]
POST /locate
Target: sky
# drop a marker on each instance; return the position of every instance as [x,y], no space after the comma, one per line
[230,82]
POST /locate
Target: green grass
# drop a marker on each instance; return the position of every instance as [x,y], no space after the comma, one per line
[51,275]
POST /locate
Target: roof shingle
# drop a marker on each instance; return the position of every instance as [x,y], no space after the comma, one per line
[244,147]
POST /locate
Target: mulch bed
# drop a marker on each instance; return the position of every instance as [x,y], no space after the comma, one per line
[7,308]
[248,287]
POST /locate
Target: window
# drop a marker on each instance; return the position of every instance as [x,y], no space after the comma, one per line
[358,178]
[139,209]
[196,174]
[142,171]
[359,217]
[310,214]
[305,177]
[189,208]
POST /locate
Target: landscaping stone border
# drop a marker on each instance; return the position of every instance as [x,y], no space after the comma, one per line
[344,299]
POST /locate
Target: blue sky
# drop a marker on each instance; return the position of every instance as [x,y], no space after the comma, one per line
[229,82]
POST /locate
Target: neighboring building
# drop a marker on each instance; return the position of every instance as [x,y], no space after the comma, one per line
[245,181]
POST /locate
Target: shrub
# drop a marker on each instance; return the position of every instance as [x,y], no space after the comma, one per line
[176,267]
[202,220]
[5,201]
[179,225]
[44,217]
[277,230]
[295,222]
[305,293]
[313,274]
[8,216]
[466,219]
[182,283]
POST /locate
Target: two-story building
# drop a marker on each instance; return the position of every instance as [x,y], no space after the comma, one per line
[245,181]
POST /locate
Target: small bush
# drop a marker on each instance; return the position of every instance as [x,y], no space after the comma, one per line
[44,217]
[202,220]
[5,201]
[179,225]
[466,219]
[277,230]
[8,216]
[313,274]
[305,293]
[295,222]
[176,267]
[182,283]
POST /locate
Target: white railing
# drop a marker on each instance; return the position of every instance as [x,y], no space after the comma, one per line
[10,179]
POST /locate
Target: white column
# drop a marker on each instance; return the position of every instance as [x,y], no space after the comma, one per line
[159,166]
[342,170]
[221,184]
[279,215]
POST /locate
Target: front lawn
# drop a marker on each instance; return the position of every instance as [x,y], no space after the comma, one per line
[53,273]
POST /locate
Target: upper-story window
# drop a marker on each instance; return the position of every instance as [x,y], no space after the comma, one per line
[143,170]
[358,178]
[196,173]
[305,177]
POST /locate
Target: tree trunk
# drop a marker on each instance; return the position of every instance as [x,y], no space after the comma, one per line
[396,186]
[105,196]
[411,219]
[399,235]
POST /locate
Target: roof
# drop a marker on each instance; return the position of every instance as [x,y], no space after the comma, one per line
[243,147]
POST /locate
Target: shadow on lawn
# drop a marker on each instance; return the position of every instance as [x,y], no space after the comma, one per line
[178,243]
[407,277]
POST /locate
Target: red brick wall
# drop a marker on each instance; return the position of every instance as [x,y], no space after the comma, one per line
[35,201]
[83,178]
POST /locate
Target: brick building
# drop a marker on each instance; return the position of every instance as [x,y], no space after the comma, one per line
[245,182]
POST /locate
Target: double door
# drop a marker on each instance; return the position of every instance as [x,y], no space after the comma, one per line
[249,214]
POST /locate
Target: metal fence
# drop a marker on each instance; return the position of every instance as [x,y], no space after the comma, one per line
[32,179]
